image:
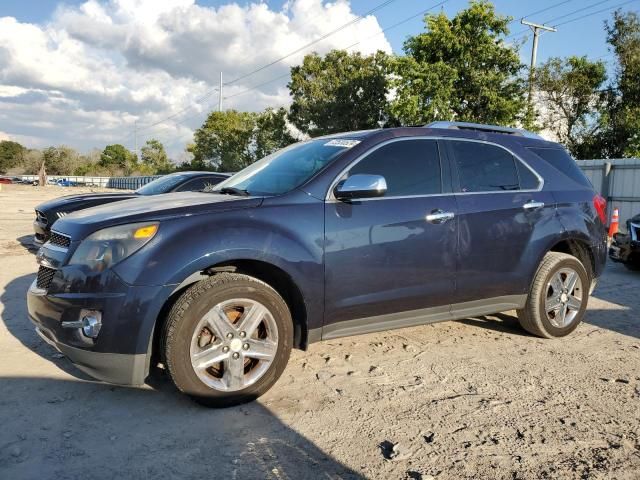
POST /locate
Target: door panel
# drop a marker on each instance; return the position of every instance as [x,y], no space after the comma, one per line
[502,214]
[497,240]
[382,256]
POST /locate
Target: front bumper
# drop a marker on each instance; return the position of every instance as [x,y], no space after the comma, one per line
[624,249]
[117,368]
[121,352]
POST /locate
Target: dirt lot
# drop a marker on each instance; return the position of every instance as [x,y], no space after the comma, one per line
[477,398]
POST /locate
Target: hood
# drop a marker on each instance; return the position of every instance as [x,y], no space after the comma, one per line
[69,201]
[149,208]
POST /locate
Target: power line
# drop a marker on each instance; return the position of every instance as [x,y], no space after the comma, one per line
[323,37]
[255,87]
[408,19]
[595,13]
[555,19]
[537,12]
[304,47]
[422,12]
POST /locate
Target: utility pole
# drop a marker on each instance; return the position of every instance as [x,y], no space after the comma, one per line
[135,136]
[536,27]
[220,96]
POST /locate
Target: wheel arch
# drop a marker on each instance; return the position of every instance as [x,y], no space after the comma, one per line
[578,248]
[271,274]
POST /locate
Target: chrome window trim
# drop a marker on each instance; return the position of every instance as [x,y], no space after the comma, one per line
[329,197]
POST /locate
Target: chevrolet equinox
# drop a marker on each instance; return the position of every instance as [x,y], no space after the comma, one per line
[335,236]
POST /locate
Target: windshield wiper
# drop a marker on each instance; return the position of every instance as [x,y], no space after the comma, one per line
[232,191]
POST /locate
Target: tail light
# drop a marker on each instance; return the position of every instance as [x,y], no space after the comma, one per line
[600,204]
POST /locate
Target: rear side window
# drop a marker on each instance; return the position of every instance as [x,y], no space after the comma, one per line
[561,160]
[410,167]
[484,168]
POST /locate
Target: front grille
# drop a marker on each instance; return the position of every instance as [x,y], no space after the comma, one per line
[59,240]
[42,217]
[45,275]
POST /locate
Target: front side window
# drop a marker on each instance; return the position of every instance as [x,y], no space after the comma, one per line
[410,167]
[484,168]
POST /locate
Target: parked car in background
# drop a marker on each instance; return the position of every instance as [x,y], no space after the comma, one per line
[625,248]
[47,213]
[7,180]
[64,182]
[335,236]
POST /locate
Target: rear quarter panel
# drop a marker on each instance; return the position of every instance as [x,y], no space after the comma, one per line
[577,217]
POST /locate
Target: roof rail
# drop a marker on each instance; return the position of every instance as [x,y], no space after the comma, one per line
[480,127]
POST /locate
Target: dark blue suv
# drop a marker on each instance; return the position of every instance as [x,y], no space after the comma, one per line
[335,236]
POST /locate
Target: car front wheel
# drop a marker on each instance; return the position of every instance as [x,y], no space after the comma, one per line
[228,339]
[558,297]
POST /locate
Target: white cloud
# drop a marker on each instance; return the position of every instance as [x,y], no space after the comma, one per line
[88,74]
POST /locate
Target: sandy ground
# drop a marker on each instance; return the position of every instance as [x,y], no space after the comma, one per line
[476,398]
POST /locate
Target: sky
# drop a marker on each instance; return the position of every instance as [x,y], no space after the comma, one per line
[87,73]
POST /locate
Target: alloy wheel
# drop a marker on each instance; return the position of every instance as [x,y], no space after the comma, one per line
[564,297]
[234,344]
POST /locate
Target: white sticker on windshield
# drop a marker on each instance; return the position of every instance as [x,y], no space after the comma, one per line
[342,142]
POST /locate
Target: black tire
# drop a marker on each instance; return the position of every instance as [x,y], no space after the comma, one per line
[533,317]
[190,309]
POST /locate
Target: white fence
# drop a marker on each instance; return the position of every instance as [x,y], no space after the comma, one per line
[617,180]
[128,183]
[88,181]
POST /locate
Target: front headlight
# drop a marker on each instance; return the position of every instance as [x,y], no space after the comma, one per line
[105,248]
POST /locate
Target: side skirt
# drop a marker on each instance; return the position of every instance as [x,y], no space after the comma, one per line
[413,318]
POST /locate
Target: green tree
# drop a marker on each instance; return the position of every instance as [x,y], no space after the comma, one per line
[229,141]
[60,160]
[569,92]
[620,136]
[224,141]
[118,158]
[460,69]
[154,157]
[11,155]
[271,132]
[339,92]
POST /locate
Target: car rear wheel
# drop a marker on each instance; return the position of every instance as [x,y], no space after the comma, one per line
[558,297]
[228,339]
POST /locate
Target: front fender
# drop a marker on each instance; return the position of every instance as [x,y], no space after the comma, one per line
[286,236]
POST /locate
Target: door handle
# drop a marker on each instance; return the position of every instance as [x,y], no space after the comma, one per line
[439,216]
[532,205]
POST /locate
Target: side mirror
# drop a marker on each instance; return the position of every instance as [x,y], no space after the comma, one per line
[361,186]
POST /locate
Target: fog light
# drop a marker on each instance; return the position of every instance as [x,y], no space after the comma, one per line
[91,324]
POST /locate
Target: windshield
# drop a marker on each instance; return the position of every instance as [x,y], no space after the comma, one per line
[286,169]
[161,185]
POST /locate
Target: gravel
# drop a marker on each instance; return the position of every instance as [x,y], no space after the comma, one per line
[477,398]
